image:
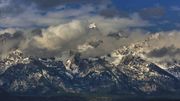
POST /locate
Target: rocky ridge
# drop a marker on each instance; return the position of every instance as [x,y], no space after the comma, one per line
[123,71]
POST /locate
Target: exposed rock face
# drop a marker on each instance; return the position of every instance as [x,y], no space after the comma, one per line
[14,58]
[118,35]
[92,26]
[121,72]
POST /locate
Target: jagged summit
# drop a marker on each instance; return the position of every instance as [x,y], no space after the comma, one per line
[118,35]
[13,58]
[122,71]
[92,26]
[16,57]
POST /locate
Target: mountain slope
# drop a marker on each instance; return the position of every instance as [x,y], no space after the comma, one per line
[120,72]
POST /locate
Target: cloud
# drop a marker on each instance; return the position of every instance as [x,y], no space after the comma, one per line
[44,4]
[13,8]
[53,37]
[163,48]
[64,28]
[170,51]
[152,12]
[66,36]
[167,55]
[4,3]
[31,16]
[36,18]
[73,32]
[175,8]
[8,30]
[10,39]
[113,12]
[10,8]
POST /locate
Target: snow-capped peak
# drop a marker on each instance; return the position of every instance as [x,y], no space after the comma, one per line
[92,25]
[16,57]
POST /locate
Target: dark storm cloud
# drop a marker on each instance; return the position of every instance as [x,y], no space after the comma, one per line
[10,41]
[45,4]
[10,8]
[165,51]
[15,7]
[175,8]
[152,12]
[38,13]
[70,35]
[61,29]
[113,12]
